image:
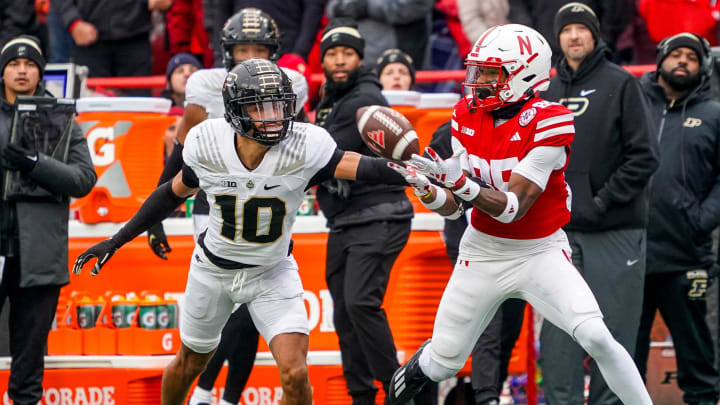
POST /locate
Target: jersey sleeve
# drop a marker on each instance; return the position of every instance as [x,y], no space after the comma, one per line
[203,87]
[320,148]
[554,125]
[538,165]
[189,153]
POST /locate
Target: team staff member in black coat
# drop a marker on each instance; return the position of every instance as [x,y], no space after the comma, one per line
[684,210]
[614,154]
[369,223]
[33,229]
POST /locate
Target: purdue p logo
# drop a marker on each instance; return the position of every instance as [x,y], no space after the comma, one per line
[691,122]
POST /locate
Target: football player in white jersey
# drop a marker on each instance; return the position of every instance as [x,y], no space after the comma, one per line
[516,146]
[255,166]
[248,33]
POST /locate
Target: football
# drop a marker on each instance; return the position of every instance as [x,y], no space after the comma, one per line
[387,132]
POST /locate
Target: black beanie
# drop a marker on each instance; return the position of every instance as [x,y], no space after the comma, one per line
[23,46]
[683,39]
[396,56]
[342,32]
[577,13]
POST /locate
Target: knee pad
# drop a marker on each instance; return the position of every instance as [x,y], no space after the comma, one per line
[594,336]
[433,369]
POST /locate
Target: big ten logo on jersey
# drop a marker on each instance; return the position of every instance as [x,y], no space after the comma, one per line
[73,396]
[252,395]
[100,140]
[495,172]
[320,310]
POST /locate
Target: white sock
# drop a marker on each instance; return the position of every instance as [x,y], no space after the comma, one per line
[224,402]
[614,362]
[200,396]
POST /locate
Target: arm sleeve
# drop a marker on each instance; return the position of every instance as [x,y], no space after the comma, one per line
[159,205]
[540,162]
[189,177]
[640,150]
[376,170]
[74,178]
[327,172]
[173,164]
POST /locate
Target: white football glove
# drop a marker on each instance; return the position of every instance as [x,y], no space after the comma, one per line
[421,185]
[447,172]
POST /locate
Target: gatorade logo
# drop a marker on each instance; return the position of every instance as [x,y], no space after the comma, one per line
[163,319]
[148,318]
[167,341]
[100,141]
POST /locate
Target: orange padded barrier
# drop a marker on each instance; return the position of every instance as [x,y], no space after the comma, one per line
[127,151]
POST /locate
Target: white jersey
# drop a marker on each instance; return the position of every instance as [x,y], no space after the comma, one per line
[204,88]
[252,212]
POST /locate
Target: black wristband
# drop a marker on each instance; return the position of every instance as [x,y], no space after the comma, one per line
[158,206]
[376,170]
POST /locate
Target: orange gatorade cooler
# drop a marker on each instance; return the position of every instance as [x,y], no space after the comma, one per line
[125,137]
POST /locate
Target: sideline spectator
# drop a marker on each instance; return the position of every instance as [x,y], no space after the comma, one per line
[111,36]
[684,210]
[614,17]
[477,16]
[33,229]
[614,154]
[395,70]
[19,17]
[369,223]
[179,69]
[402,24]
[185,22]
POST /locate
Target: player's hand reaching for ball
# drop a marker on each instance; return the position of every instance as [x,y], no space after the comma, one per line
[447,172]
[421,185]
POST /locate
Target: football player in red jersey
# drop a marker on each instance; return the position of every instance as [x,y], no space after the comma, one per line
[510,153]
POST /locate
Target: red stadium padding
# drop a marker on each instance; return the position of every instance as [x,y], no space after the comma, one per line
[423,76]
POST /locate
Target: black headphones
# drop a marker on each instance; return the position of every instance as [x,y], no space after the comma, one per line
[706,63]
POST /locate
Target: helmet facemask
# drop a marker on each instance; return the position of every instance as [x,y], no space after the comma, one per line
[263,118]
[493,94]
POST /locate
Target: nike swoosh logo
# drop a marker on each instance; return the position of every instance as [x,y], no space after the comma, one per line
[33,158]
[584,93]
[631,262]
[266,187]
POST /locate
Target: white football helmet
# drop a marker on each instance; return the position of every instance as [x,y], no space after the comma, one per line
[520,52]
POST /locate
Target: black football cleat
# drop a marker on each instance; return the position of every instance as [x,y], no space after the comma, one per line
[407,380]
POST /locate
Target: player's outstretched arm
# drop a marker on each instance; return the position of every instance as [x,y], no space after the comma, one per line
[160,204]
[193,115]
[354,166]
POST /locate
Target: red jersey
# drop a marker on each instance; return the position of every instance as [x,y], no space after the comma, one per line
[493,152]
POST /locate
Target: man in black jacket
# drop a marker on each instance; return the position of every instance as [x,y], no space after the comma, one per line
[684,210]
[33,230]
[111,36]
[369,223]
[613,157]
